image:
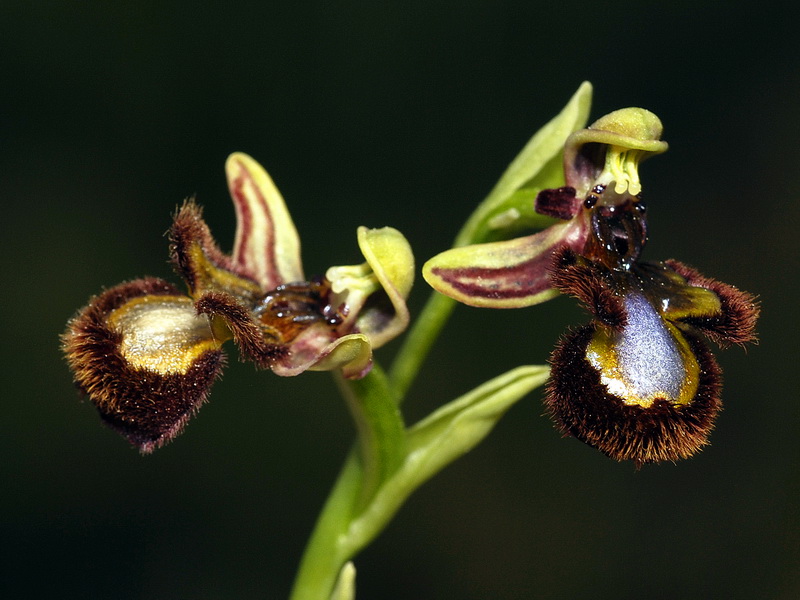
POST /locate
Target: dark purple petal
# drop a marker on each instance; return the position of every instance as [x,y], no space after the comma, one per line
[199,260]
[560,203]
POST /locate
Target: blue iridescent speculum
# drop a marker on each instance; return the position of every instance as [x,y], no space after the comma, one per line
[645,358]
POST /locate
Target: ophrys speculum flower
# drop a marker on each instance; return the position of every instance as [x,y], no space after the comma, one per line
[637,383]
[146,354]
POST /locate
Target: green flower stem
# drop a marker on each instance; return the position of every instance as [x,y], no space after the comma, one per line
[439,439]
[348,523]
[381,431]
[380,451]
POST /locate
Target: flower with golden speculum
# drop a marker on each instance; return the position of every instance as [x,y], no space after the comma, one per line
[146,354]
[637,383]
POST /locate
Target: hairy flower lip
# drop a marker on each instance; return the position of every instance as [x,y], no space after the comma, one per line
[582,407]
[125,395]
[581,398]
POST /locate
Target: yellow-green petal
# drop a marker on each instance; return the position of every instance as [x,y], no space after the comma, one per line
[364,289]
[389,255]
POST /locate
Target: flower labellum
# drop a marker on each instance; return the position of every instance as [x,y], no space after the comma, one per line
[145,359]
[638,383]
[147,355]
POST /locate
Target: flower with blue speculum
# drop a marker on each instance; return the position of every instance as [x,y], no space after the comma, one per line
[146,354]
[638,382]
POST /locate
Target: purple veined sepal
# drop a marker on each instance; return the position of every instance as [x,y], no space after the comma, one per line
[507,274]
[266,244]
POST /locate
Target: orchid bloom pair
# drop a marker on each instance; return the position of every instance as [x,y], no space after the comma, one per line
[637,383]
[147,355]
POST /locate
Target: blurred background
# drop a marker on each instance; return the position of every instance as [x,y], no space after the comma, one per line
[400,114]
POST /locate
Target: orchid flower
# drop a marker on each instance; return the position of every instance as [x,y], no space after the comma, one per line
[637,383]
[147,355]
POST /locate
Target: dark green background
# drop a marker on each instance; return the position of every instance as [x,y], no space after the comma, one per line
[398,114]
